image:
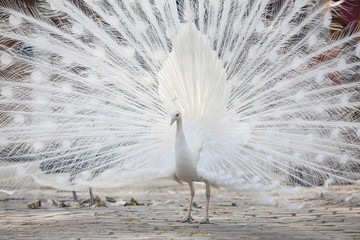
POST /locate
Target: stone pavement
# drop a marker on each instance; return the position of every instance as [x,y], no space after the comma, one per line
[325,216]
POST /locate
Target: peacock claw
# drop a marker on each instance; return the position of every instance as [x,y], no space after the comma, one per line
[188,219]
[206,221]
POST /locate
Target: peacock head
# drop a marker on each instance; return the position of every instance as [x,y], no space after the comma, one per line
[175,115]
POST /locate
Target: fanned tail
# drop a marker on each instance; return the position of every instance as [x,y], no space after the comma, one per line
[267,98]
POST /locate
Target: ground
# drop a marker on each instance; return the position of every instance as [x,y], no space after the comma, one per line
[331,214]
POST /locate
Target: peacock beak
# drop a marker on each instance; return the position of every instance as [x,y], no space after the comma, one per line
[172,121]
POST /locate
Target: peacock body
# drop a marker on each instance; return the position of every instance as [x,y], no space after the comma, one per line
[267,98]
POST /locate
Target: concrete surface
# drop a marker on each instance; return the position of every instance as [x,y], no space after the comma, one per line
[334,214]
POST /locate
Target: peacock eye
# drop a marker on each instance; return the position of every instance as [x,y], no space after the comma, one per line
[177,115]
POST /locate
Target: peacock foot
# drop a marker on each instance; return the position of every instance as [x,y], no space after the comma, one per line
[188,219]
[206,221]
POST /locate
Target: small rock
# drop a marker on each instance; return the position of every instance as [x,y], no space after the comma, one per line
[97,199]
[60,204]
[110,199]
[63,204]
[34,205]
[169,201]
[195,205]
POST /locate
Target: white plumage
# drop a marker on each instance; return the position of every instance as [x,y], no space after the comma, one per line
[87,88]
[186,165]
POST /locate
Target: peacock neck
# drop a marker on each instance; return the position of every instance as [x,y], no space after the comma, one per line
[180,136]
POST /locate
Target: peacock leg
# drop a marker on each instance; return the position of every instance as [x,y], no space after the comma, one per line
[75,196]
[188,218]
[207,193]
[92,200]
